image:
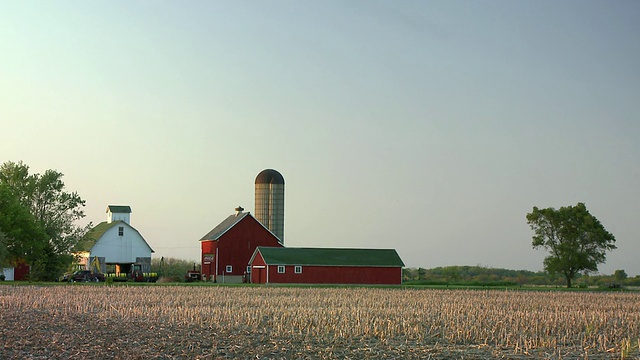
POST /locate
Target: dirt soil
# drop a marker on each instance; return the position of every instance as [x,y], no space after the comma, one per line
[179,322]
[36,334]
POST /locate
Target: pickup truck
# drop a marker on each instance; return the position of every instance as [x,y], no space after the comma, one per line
[85,276]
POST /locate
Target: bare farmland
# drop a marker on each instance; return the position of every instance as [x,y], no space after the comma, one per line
[181,322]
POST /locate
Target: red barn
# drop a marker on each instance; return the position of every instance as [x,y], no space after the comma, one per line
[271,265]
[19,272]
[227,248]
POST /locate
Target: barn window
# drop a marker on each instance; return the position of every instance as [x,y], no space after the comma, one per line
[297,269]
[121,231]
[229,268]
[280,269]
[249,269]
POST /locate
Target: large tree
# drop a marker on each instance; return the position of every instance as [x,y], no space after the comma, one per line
[54,210]
[576,240]
[21,237]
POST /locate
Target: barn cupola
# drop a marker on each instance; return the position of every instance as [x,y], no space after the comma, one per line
[119,212]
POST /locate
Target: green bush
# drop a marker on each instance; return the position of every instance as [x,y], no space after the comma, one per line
[172,268]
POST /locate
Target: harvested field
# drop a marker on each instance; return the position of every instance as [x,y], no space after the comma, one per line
[211,322]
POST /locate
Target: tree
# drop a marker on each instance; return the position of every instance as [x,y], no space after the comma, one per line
[620,275]
[21,237]
[576,240]
[422,273]
[4,251]
[452,273]
[55,212]
[409,274]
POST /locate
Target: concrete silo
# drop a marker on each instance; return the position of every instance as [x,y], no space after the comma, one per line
[270,201]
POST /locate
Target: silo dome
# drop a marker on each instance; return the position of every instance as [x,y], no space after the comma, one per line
[270,201]
[269,176]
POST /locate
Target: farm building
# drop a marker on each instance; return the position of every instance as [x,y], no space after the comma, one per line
[271,265]
[18,272]
[115,243]
[227,248]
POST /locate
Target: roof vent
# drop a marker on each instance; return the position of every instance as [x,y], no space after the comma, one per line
[239,210]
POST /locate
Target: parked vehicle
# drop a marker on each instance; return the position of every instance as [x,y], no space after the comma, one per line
[192,275]
[136,274]
[85,276]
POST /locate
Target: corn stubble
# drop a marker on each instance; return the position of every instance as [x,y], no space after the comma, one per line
[273,322]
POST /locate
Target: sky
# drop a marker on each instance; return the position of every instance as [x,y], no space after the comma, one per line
[431,127]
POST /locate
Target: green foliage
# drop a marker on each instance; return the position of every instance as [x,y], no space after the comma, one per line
[4,251]
[620,275]
[22,238]
[576,240]
[472,276]
[45,245]
[171,268]
[485,276]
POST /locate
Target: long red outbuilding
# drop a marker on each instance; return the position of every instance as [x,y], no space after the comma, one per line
[279,265]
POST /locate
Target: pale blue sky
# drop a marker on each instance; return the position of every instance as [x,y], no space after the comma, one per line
[429,127]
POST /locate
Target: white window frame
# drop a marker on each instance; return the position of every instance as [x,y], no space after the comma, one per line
[281,269]
[297,269]
[248,269]
[228,269]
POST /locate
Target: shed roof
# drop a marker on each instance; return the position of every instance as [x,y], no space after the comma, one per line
[119,209]
[329,256]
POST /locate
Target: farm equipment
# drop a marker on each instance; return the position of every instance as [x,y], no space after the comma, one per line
[193,275]
[136,274]
[132,272]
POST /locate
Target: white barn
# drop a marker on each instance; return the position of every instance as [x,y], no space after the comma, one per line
[116,242]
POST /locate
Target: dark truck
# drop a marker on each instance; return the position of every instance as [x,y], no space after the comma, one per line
[85,276]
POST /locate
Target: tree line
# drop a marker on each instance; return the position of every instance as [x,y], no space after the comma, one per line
[480,275]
